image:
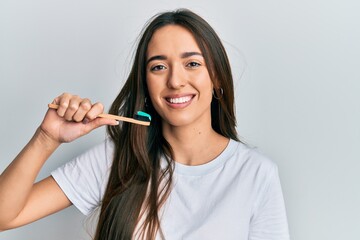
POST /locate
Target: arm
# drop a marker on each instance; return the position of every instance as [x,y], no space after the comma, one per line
[269,220]
[22,201]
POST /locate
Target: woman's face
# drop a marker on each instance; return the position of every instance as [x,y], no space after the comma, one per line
[178,80]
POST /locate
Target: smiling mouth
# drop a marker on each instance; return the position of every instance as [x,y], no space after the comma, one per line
[179,100]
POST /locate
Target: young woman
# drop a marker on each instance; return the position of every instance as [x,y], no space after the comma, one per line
[186,176]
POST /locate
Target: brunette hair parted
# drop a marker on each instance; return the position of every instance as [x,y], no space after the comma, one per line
[139,184]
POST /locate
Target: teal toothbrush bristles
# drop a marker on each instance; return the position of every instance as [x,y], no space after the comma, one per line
[143,116]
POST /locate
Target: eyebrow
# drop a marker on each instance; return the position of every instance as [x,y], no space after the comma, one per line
[183,55]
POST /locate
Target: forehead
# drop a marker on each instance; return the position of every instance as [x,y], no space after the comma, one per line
[172,38]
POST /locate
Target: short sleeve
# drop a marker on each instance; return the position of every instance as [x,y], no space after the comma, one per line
[269,220]
[84,179]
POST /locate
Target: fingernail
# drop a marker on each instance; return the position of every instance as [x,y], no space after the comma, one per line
[85,121]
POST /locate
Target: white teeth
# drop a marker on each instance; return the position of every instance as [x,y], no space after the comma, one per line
[180,100]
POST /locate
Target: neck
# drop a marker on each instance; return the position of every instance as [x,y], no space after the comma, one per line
[194,145]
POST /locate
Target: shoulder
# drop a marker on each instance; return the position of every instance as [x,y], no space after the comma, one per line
[252,159]
[84,179]
[255,170]
[97,160]
[101,154]
[251,167]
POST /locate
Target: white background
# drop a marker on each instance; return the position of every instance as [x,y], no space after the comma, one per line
[297,71]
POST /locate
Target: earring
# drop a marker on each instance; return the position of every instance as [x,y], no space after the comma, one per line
[216,93]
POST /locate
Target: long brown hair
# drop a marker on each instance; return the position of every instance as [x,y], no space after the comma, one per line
[139,184]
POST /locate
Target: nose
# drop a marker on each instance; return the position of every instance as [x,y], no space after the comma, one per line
[177,77]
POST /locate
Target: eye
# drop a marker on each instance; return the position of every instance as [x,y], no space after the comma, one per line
[158,68]
[193,64]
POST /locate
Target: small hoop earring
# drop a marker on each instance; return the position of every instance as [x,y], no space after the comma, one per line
[146,102]
[216,95]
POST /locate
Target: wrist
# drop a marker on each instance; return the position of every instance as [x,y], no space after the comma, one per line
[46,141]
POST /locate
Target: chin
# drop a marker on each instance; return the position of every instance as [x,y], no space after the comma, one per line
[177,122]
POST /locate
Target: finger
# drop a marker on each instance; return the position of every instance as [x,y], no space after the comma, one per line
[84,108]
[63,102]
[98,122]
[73,106]
[95,110]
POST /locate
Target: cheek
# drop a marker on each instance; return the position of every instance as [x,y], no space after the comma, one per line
[154,89]
[205,83]
[150,82]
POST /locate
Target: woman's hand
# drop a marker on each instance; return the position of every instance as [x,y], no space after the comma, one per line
[22,201]
[74,118]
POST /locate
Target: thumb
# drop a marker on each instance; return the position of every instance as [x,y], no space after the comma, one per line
[98,122]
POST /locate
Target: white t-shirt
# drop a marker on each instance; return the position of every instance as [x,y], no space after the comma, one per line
[235,196]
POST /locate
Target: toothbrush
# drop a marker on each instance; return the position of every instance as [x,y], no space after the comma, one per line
[140,117]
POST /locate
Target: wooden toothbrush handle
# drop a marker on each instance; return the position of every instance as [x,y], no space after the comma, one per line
[110,116]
